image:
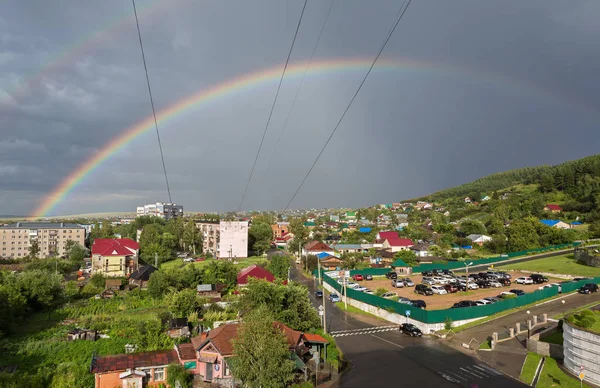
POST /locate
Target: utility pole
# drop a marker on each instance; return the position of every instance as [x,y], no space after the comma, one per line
[345,292]
[156,259]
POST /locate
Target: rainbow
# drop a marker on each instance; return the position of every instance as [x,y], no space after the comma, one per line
[252,80]
[77,49]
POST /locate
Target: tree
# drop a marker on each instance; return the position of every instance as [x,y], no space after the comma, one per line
[408,256]
[151,234]
[262,356]
[183,303]
[223,272]
[468,227]
[176,226]
[75,252]
[158,284]
[522,234]
[192,239]
[177,374]
[279,266]
[547,183]
[156,250]
[594,229]
[300,233]
[42,289]
[260,237]
[34,249]
[289,304]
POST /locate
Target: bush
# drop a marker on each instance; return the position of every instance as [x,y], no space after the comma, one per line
[510,296]
[587,322]
[448,323]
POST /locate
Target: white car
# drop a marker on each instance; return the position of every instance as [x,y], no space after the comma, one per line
[545,286]
[524,280]
[367,291]
[440,280]
[360,288]
[482,302]
[352,285]
[439,290]
[189,260]
[503,293]
[472,285]
[389,295]
[428,281]
[494,283]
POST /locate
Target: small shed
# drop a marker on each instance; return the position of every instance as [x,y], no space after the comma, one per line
[178,327]
[142,275]
[82,334]
[400,267]
[112,284]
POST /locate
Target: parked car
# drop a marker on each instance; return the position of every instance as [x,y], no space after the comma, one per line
[452,281]
[439,290]
[418,303]
[538,278]
[427,273]
[357,277]
[447,272]
[334,298]
[189,260]
[504,281]
[578,279]
[464,303]
[352,285]
[200,259]
[391,275]
[408,282]
[319,294]
[557,285]
[495,283]
[428,281]
[437,272]
[473,276]
[462,286]
[483,283]
[440,280]
[483,275]
[368,291]
[524,280]
[492,299]
[423,289]
[451,288]
[472,285]
[389,295]
[518,292]
[505,275]
[410,329]
[404,300]
[482,302]
[588,288]
[398,283]
[368,277]
[360,288]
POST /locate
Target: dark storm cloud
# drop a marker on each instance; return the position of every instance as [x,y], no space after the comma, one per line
[509,84]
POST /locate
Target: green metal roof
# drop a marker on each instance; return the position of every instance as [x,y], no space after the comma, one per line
[399,263]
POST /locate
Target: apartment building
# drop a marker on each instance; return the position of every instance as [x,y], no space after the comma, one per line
[210,231]
[52,237]
[165,211]
[233,241]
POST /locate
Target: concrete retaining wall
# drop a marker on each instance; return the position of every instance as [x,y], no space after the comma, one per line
[581,348]
[543,348]
[426,328]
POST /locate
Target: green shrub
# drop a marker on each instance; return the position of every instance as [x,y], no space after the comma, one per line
[448,323]
[510,296]
[587,313]
[587,322]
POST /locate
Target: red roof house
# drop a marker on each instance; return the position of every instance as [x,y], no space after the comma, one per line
[392,241]
[116,257]
[553,208]
[316,248]
[114,246]
[254,271]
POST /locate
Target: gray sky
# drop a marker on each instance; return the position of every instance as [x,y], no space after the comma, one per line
[497,85]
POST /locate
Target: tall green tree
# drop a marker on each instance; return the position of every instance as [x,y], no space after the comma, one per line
[34,249]
[262,355]
[279,265]
[522,234]
[183,303]
[192,239]
[151,234]
[260,236]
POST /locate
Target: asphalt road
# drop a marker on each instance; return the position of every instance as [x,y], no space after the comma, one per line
[379,356]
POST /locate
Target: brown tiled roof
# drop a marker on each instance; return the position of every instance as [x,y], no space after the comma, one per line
[198,340]
[310,244]
[314,338]
[319,246]
[134,360]
[186,351]
[292,336]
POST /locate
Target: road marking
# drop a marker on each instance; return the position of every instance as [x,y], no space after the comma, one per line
[363,330]
[389,342]
[457,375]
[449,378]
[491,370]
[470,372]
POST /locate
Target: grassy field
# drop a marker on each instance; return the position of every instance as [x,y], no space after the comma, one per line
[352,309]
[564,265]
[553,376]
[241,263]
[529,367]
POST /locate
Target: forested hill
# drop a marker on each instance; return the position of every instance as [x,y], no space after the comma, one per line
[580,179]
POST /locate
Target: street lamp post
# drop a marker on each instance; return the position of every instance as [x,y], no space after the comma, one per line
[528,325]
[563,308]
[467,271]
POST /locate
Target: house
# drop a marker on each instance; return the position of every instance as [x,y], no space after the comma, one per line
[364,230]
[347,248]
[485,198]
[332,238]
[331,225]
[479,239]
[556,224]
[187,356]
[401,268]
[280,229]
[282,242]
[350,216]
[430,259]
[82,334]
[114,257]
[393,242]
[177,327]
[253,271]
[421,250]
[147,369]
[334,218]
[576,224]
[329,262]
[211,291]
[316,247]
[141,276]
[215,349]
[310,224]
[382,257]
[552,208]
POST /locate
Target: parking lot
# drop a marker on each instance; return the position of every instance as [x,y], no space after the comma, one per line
[439,302]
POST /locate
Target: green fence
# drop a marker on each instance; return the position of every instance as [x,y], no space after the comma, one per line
[460,314]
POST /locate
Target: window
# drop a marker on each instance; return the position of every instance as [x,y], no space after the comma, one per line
[225,368]
[159,374]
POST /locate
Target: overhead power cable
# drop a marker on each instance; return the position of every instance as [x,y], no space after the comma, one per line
[262,140]
[401,13]
[162,158]
[287,119]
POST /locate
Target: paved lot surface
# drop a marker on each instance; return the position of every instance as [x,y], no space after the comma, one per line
[438,302]
[388,357]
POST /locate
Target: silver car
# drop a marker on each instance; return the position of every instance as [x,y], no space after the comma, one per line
[408,282]
[428,281]
[398,283]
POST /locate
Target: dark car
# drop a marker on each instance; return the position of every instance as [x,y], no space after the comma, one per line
[483,275]
[391,275]
[461,287]
[368,277]
[483,283]
[518,292]
[319,294]
[588,288]
[427,273]
[505,275]
[505,282]
[578,279]
[418,303]
[447,272]
[437,272]
[410,329]
[473,276]
[464,303]
[423,289]
[451,288]
[538,279]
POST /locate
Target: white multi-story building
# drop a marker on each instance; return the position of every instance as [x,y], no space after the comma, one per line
[233,236]
[165,211]
[52,237]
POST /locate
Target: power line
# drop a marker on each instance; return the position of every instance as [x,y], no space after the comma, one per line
[401,12]
[272,107]
[162,158]
[287,119]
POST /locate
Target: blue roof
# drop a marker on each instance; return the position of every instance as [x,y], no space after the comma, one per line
[576,223]
[550,222]
[323,255]
[364,230]
[467,247]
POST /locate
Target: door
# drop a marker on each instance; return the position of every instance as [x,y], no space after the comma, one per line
[209,372]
